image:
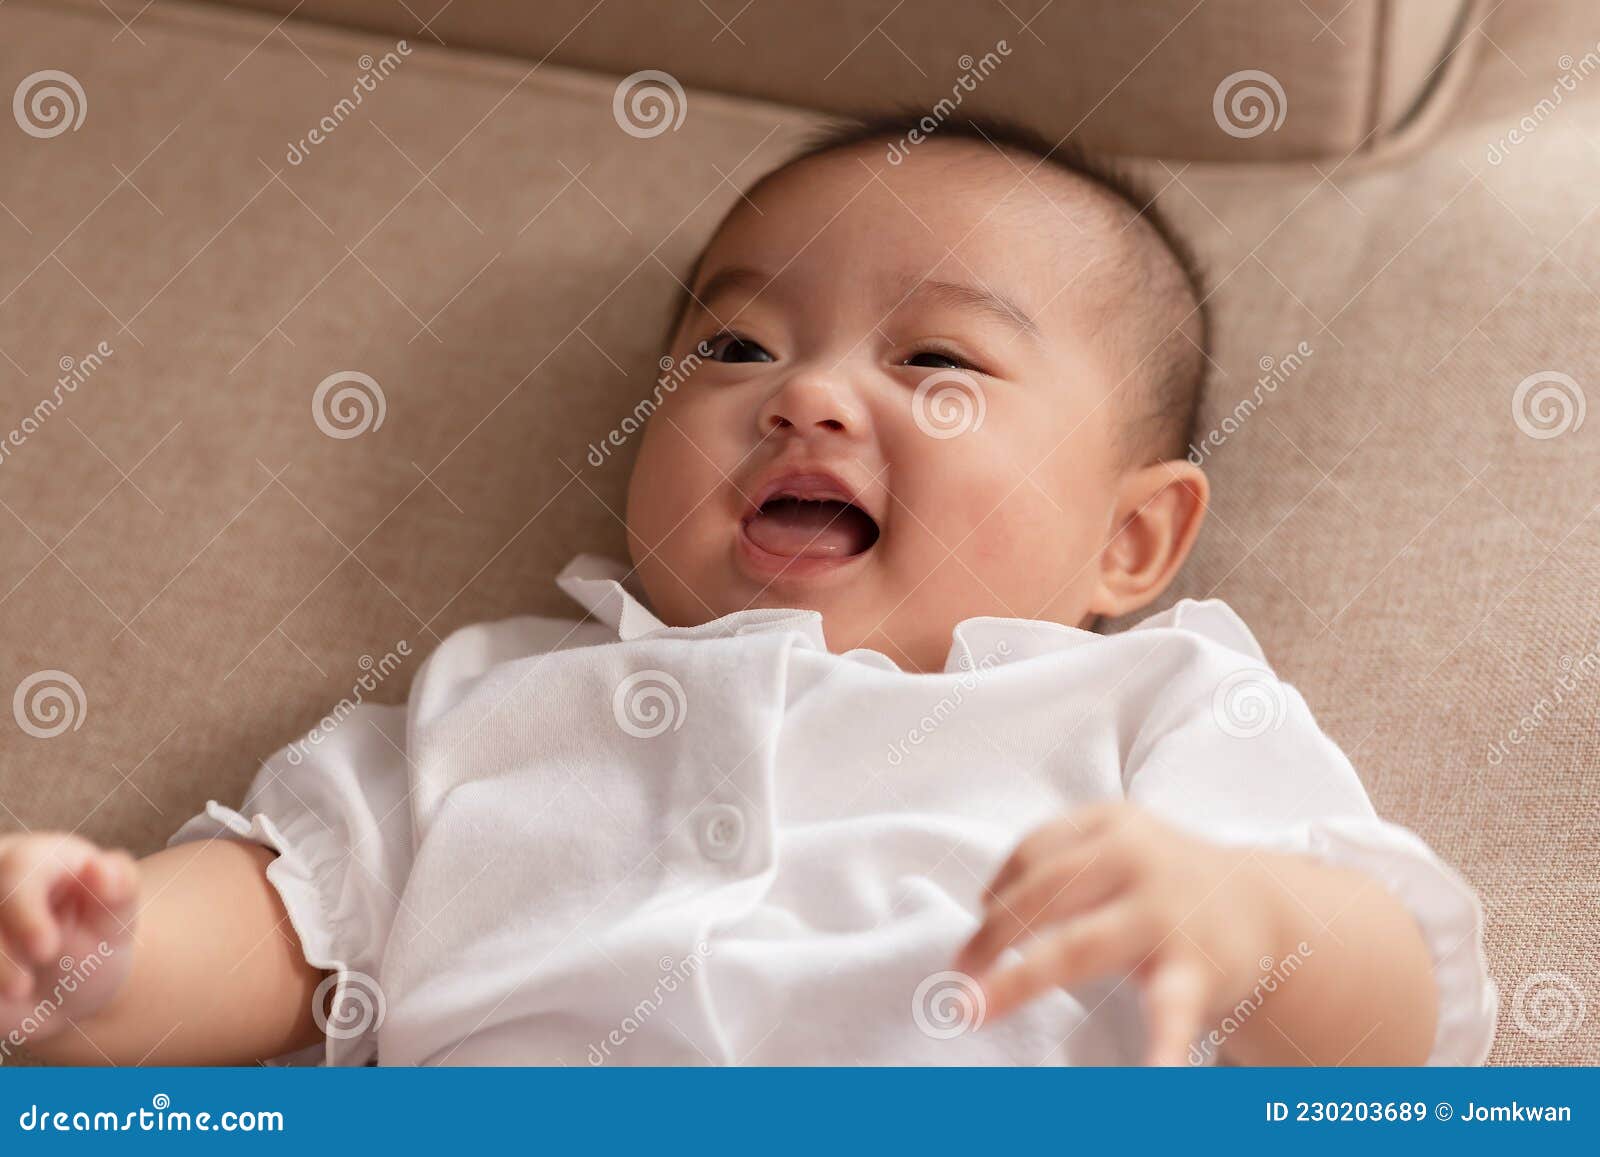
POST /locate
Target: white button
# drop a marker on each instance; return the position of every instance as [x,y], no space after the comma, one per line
[721,831]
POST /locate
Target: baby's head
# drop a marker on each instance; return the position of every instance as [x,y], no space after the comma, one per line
[922,382]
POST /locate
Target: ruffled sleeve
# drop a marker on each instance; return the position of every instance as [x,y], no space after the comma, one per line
[1237,758]
[335,807]
[1445,907]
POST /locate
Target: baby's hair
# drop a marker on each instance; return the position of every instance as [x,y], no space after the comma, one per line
[1158,291]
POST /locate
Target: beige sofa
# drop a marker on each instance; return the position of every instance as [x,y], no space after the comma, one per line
[1407,273]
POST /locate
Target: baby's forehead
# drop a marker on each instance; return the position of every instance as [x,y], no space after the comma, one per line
[949,213]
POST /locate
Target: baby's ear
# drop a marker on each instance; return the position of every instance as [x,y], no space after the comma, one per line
[1159,511]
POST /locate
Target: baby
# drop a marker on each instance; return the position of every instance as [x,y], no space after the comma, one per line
[840,771]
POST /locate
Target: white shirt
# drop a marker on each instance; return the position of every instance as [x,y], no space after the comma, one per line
[619,842]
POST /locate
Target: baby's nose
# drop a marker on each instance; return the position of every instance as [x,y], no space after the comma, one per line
[808,402]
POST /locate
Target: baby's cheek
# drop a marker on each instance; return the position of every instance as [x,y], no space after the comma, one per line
[1011,535]
[667,482]
[996,496]
[1027,543]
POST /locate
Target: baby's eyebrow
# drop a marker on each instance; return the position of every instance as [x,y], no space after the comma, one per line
[737,277]
[979,297]
[723,281]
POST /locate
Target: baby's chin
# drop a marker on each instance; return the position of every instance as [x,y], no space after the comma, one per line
[862,607]
[745,595]
[851,618]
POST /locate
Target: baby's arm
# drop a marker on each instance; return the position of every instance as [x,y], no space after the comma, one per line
[195,961]
[1364,991]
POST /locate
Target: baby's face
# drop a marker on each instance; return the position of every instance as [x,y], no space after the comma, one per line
[901,416]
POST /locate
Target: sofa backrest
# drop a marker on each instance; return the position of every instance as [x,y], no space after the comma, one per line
[1180,79]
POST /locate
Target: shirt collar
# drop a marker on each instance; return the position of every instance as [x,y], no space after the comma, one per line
[608,591]
[600,586]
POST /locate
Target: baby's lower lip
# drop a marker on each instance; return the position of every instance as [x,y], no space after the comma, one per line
[766,565]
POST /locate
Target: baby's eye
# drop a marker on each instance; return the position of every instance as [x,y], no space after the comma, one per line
[934,360]
[730,347]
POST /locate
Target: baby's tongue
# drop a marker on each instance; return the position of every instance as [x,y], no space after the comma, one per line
[798,528]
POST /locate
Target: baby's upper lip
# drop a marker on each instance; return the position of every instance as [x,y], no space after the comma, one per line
[813,482]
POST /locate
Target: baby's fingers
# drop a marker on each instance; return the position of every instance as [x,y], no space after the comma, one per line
[110,881]
[1061,888]
[16,978]
[1050,841]
[27,926]
[32,871]
[1176,994]
[1109,939]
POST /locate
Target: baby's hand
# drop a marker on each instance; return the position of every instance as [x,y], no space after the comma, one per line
[66,923]
[1111,889]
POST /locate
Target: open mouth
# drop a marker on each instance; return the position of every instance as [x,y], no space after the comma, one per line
[811,528]
[810,517]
